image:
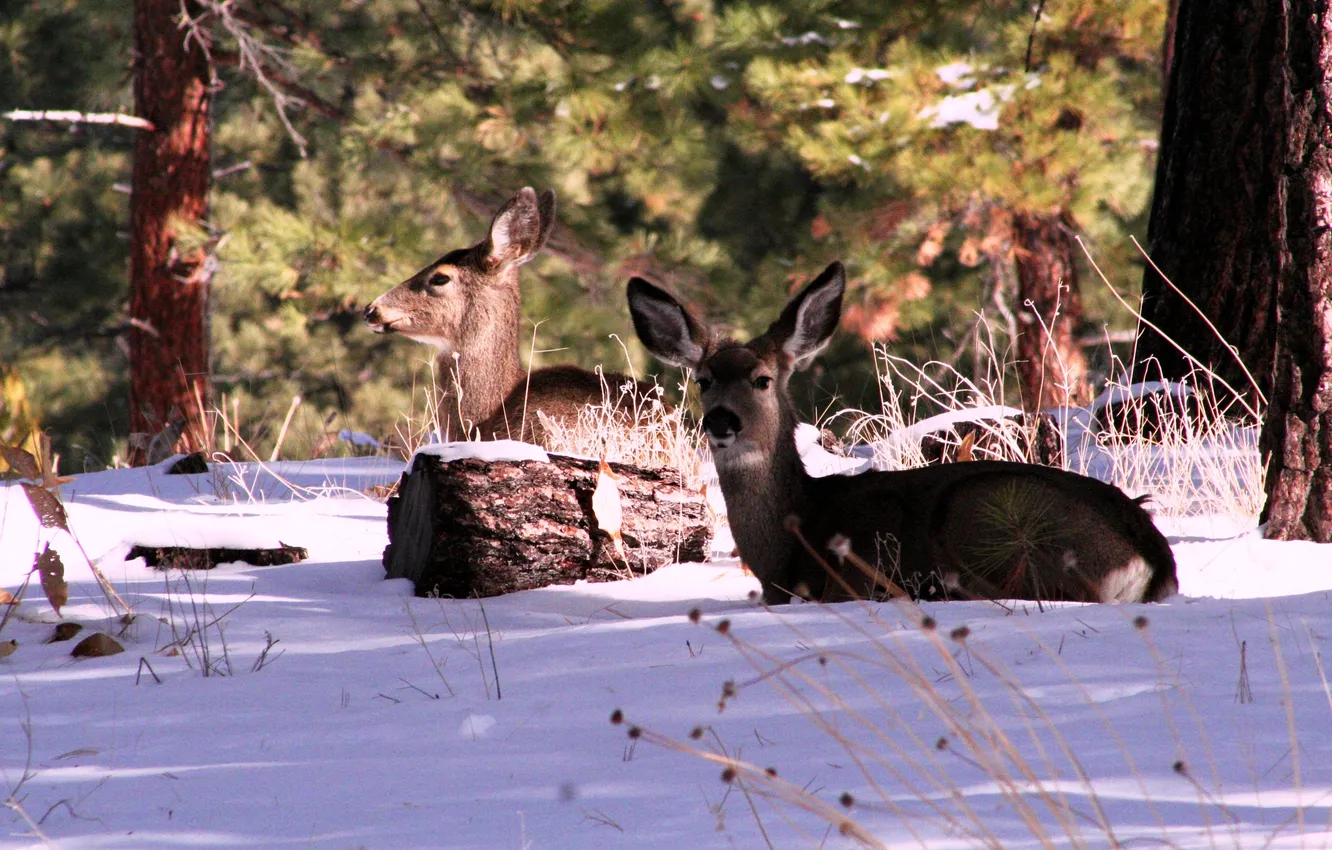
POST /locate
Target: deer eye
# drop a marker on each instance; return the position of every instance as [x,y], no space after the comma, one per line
[704,384]
[439,279]
[762,382]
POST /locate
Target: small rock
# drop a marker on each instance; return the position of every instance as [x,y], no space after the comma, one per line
[96,646]
[65,631]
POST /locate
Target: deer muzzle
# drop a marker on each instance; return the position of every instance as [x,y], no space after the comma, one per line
[382,320]
[721,426]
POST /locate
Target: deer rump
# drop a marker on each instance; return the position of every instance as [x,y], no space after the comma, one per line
[978,530]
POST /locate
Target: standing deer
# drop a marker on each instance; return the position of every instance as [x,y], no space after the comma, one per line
[989,529]
[468,306]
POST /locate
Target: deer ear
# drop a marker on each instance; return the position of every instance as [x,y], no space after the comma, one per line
[667,328]
[809,319]
[520,227]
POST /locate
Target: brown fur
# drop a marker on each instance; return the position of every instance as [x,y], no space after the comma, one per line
[976,529]
[468,305]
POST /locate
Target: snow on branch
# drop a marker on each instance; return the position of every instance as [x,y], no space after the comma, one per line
[70,116]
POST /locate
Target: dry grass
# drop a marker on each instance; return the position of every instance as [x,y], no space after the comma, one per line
[999,771]
[629,427]
[1188,444]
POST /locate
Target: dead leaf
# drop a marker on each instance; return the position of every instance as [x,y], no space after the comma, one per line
[969,254]
[7,648]
[964,447]
[7,598]
[50,464]
[47,506]
[819,228]
[65,631]
[933,246]
[913,286]
[53,577]
[21,462]
[606,506]
[96,645]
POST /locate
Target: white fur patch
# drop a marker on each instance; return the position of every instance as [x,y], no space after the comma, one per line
[738,458]
[1128,583]
[440,343]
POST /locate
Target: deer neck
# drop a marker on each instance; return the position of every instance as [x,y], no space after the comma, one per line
[761,490]
[475,375]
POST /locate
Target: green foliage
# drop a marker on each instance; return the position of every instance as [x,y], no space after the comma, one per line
[732,149]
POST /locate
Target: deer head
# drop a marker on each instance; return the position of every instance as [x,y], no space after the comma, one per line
[468,306]
[437,304]
[747,412]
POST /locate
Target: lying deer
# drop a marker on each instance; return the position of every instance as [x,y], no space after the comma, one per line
[990,529]
[467,304]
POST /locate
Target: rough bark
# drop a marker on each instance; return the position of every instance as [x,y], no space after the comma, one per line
[1297,431]
[472,528]
[168,340]
[1052,370]
[1240,223]
[1220,195]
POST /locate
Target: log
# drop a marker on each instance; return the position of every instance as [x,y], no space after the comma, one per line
[476,528]
[185,558]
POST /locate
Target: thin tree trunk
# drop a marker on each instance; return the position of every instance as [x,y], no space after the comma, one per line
[1051,367]
[169,366]
[1297,431]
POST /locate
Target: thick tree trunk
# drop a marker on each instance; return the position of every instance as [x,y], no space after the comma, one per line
[1297,431]
[1168,43]
[169,366]
[471,528]
[1241,223]
[1220,196]
[1051,367]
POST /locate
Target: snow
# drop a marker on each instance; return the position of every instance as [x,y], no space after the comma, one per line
[488,451]
[978,108]
[867,76]
[380,720]
[960,75]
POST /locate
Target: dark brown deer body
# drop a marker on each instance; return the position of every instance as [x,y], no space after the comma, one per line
[467,305]
[976,529]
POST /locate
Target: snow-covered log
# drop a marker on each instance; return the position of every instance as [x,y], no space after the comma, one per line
[476,527]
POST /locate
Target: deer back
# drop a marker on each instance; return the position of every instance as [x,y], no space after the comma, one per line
[980,529]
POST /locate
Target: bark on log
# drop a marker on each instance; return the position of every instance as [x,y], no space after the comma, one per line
[470,527]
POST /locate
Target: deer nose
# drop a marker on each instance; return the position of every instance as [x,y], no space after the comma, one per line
[371,315]
[721,424]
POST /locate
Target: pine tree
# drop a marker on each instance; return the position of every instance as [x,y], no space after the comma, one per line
[730,150]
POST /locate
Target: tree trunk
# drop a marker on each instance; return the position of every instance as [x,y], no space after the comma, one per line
[1241,223]
[1297,431]
[1220,197]
[468,527]
[168,343]
[1052,370]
